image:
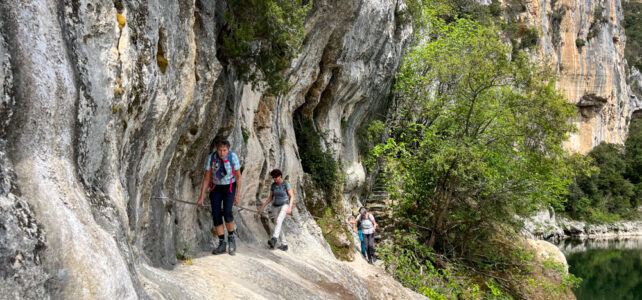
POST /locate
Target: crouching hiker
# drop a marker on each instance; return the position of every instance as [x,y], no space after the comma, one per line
[223,175]
[283,197]
[368,228]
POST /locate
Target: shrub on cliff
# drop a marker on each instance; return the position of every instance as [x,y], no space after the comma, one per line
[632,24]
[321,166]
[262,37]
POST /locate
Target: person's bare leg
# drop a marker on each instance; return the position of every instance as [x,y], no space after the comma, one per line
[219,230]
[229,225]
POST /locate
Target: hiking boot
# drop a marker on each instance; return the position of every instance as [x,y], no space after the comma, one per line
[370,260]
[221,248]
[272,242]
[232,249]
[283,247]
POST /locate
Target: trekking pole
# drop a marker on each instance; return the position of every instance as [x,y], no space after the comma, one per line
[181,201]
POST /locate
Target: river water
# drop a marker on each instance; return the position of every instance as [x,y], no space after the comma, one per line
[611,269]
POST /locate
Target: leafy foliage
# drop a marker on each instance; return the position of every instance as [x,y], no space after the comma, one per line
[245,133]
[598,196]
[633,29]
[263,36]
[633,153]
[411,263]
[335,232]
[504,273]
[370,134]
[318,163]
[598,20]
[521,36]
[611,189]
[184,255]
[478,136]
[555,24]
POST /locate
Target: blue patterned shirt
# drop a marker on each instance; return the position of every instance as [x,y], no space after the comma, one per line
[213,164]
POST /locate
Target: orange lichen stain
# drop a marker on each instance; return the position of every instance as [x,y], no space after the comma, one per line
[121,21]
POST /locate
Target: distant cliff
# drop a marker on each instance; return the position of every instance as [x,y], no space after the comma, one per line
[585,41]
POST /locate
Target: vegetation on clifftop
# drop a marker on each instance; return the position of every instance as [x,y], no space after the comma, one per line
[262,37]
[632,24]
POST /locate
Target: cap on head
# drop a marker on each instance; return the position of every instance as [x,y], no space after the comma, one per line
[362,210]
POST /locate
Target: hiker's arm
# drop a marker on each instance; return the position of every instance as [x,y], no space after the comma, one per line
[206,181]
[291,194]
[374,222]
[237,174]
[266,202]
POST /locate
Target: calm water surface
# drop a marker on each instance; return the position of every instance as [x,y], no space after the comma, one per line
[611,269]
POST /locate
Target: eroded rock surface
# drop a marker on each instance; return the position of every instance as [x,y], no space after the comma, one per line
[108,108]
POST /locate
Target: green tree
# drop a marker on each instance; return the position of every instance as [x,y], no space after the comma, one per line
[605,194]
[262,37]
[477,137]
[633,159]
[633,153]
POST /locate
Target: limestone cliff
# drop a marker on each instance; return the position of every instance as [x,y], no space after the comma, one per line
[585,41]
[107,105]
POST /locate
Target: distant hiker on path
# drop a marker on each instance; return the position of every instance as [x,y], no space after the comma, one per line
[223,175]
[368,227]
[283,197]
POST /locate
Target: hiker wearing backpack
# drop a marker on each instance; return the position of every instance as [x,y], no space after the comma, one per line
[357,227]
[223,176]
[283,197]
[368,228]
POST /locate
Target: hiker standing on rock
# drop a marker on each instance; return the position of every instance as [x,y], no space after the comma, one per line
[223,175]
[368,227]
[283,197]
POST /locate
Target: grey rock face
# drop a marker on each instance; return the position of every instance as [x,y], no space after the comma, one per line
[97,126]
[546,226]
[543,226]
[22,242]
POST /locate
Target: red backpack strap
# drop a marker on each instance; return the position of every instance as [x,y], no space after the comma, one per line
[231,166]
[212,183]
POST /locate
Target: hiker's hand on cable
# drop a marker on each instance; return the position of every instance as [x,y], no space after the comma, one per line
[260,211]
[289,211]
[199,204]
[236,200]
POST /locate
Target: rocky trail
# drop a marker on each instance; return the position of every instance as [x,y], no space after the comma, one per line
[260,273]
